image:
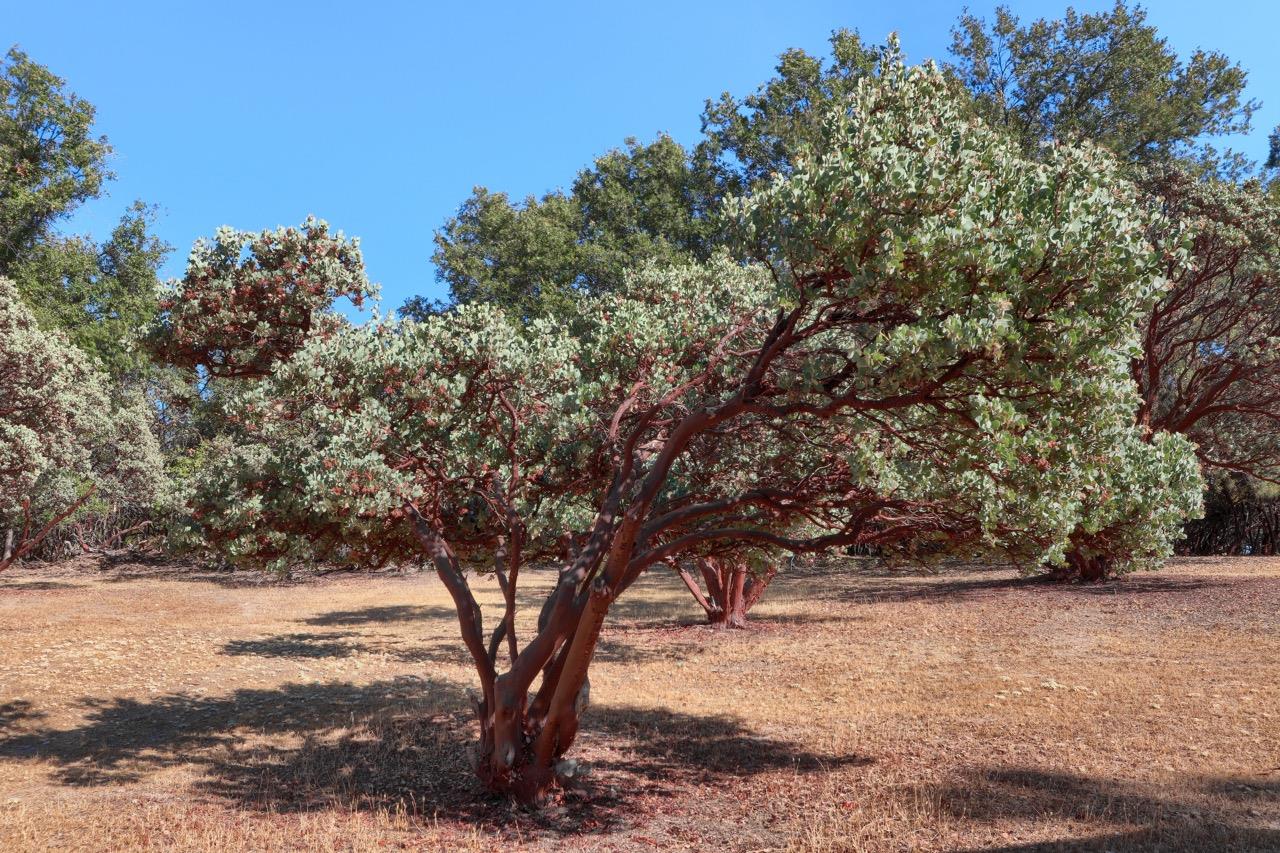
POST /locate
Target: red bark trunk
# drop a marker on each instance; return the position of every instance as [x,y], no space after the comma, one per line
[522,740]
[27,541]
[732,590]
[1084,567]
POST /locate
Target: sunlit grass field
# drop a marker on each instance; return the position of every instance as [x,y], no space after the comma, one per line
[151,707]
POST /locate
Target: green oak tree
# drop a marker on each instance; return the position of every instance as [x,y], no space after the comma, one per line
[1107,77]
[536,258]
[100,295]
[750,139]
[51,163]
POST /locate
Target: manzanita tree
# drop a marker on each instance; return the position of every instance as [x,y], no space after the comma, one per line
[249,299]
[1203,367]
[733,583]
[935,352]
[64,439]
[1210,366]
[1207,366]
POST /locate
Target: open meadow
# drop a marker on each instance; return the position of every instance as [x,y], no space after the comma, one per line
[144,707]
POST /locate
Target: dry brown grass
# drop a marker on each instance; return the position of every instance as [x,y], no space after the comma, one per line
[146,708]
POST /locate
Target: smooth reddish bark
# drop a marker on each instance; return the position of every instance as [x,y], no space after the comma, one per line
[27,541]
[731,590]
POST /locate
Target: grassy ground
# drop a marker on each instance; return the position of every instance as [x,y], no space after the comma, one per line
[145,708]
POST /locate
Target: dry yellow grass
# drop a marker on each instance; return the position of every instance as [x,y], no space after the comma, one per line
[145,708]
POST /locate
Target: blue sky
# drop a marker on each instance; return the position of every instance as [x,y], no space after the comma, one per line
[381,116]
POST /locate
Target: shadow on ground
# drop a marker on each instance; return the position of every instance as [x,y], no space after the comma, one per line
[122,740]
[298,646]
[398,744]
[899,587]
[9,585]
[1246,821]
[18,711]
[302,646]
[127,566]
[626,642]
[381,615]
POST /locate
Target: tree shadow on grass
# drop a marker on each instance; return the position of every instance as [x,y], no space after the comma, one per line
[380,615]
[640,646]
[1144,583]
[913,587]
[297,646]
[399,745]
[397,763]
[303,646]
[130,566]
[881,588]
[17,711]
[671,750]
[626,645]
[122,740]
[335,644]
[1145,820]
[9,585]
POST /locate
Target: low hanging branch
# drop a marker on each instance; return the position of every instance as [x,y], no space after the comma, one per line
[27,540]
[893,379]
[119,535]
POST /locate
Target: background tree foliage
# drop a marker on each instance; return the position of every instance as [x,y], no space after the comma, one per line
[49,160]
[66,439]
[750,139]
[1107,77]
[50,164]
[99,295]
[74,308]
[536,258]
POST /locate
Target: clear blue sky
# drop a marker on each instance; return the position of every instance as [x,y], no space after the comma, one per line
[381,116]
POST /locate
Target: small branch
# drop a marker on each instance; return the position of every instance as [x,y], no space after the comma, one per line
[693,587]
[27,543]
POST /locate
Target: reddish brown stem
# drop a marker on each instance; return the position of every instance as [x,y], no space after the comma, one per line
[27,543]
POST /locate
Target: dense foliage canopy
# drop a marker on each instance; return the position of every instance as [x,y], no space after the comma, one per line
[1106,77]
[249,299]
[65,437]
[1204,369]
